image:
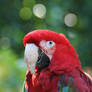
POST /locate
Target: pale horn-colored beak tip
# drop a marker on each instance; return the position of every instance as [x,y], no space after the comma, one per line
[31,56]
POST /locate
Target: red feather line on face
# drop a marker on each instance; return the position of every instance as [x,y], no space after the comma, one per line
[64,58]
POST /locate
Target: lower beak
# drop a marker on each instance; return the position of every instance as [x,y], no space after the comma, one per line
[34,57]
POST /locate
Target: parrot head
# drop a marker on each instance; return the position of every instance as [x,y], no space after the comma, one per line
[48,49]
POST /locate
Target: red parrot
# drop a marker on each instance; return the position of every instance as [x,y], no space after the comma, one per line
[53,64]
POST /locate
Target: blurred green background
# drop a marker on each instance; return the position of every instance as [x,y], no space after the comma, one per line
[18,17]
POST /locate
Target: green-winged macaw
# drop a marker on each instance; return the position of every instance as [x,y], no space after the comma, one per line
[53,64]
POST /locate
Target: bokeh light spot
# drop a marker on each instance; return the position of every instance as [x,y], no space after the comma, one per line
[70,19]
[39,10]
[71,34]
[25,13]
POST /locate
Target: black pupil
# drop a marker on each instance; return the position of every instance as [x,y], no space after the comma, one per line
[50,42]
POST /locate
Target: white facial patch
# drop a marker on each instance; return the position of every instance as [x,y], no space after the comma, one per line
[31,56]
[48,48]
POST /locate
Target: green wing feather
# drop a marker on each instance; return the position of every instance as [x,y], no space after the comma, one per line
[63,87]
[24,89]
[66,89]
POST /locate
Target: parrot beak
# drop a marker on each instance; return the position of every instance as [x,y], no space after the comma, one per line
[43,61]
[35,57]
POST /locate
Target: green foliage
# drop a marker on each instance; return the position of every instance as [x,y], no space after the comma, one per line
[12,71]
[28,3]
[17,19]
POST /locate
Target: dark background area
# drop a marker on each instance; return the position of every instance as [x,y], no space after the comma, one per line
[18,17]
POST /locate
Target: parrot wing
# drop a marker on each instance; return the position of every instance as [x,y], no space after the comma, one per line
[24,89]
[66,85]
[27,82]
[76,83]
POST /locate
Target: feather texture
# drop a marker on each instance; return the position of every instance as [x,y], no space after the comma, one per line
[74,81]
[64,73]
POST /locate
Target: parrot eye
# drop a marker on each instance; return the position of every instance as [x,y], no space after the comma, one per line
[50,44]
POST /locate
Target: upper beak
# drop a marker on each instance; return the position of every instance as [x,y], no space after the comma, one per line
[34,57]
[31,56]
